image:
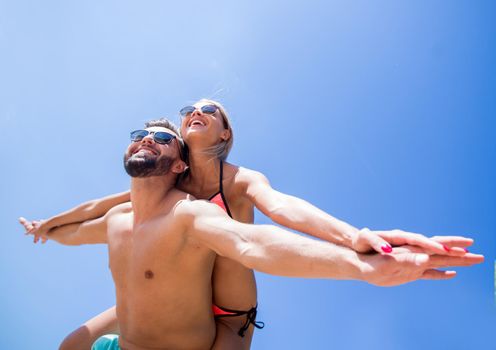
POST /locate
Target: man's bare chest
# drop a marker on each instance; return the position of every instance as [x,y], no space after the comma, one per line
[142,252]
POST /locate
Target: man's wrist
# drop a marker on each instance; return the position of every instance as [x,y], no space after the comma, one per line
[357,269]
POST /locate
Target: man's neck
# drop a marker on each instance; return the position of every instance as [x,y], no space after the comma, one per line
[149,193]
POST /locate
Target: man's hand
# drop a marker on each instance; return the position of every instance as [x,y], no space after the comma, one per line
[366,241]
[37,228]
[408,263]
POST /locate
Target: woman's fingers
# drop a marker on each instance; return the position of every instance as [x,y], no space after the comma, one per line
[398,237]
[454,241]
[28,226]
[370,239]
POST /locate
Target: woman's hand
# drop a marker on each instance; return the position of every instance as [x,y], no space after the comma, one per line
[366,241]
[37,228]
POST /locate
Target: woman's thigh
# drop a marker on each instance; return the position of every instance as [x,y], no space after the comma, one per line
[83,337]
[227,337]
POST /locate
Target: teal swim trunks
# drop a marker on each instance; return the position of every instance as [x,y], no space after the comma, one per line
[107,342]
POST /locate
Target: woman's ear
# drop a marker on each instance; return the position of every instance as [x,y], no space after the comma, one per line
[225,135]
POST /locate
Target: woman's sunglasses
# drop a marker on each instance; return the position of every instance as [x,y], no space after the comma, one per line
[161,137]
[207,109]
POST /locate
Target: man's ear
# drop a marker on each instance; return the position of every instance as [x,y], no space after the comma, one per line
[225,135]
[179,166]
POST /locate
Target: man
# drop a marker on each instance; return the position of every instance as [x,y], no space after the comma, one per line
[163,244]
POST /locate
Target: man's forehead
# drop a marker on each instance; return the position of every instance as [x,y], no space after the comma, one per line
[161,128]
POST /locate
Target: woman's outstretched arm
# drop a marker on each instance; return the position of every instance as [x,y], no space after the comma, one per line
[300,215]
[86,211]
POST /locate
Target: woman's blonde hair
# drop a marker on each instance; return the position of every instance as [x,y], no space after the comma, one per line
[222,149]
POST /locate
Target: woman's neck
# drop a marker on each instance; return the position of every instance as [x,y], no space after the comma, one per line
[203,170]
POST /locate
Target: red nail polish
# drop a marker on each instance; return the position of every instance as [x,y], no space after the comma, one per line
[466,250]
[446,248]
[386,248]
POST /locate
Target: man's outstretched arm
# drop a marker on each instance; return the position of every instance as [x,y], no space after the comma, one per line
[275,251]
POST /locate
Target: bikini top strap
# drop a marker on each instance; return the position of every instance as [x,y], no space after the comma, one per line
[221,175]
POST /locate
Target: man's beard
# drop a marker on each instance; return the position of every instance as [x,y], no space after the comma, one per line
[146,166]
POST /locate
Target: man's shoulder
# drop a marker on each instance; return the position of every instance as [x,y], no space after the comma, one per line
[182,201]
[178,195]
[191,207]
[123,208]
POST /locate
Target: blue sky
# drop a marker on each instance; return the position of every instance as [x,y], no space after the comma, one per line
[381,113]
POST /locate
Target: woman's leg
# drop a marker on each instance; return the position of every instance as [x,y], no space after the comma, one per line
[83,337]
[227,337]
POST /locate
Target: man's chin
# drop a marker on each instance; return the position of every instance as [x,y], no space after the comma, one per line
[146,165]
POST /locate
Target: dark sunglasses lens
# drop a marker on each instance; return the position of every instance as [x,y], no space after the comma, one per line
[186,110]
[162,137]
[209,109]
[138,135]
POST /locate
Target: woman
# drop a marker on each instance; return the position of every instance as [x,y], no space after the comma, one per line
[207,131]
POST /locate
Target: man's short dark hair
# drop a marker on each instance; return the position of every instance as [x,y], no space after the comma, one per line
[166,123]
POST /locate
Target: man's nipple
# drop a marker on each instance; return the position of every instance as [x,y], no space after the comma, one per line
[148,274]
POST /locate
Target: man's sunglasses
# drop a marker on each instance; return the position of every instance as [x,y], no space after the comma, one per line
[161,137]
[207,109]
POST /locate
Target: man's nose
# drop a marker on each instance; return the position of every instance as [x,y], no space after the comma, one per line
[148,139]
